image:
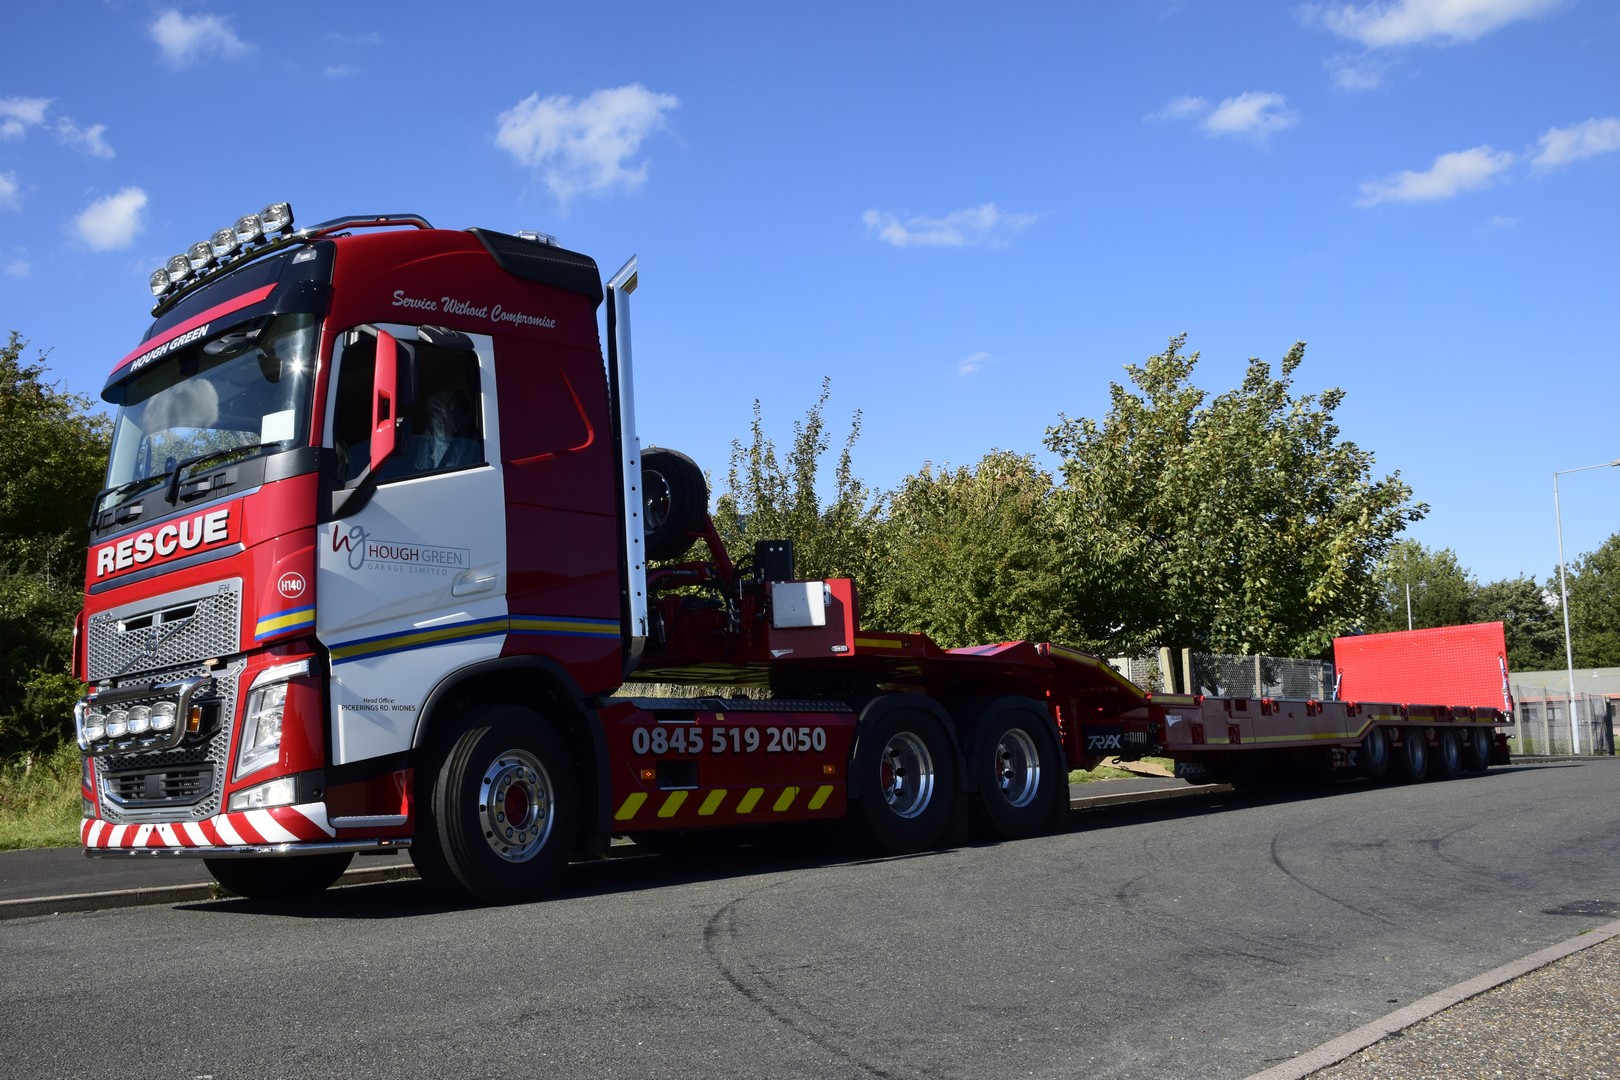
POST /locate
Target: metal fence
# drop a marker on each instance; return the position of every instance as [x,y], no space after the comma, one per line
[1217,675]
[1541,722]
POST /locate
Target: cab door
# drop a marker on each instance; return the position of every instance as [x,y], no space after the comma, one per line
[410,576]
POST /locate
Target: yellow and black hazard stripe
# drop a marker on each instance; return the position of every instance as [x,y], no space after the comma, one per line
[703,806]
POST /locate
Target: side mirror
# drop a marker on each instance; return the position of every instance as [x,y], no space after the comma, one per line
[384,406]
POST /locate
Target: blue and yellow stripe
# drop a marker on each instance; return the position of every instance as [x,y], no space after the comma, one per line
[469,630]
[284,622]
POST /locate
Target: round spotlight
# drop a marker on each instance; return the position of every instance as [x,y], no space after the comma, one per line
[276,218]
[159,281]
[249,229]
[224,243]
[179,269]
[200,255]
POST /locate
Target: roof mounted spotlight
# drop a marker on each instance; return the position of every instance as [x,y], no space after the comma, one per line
[224,243]
[159,281]
[276,218]
[179,268]
[200,255]
[249,230]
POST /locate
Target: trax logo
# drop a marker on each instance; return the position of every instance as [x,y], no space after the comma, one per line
[196,533]
[1103,742]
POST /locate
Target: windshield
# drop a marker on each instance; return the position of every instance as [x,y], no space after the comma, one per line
[241,393]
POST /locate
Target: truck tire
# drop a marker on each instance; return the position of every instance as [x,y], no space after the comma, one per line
[501,812]
[1015,768]
[1412,759]
[279,877]
[906,772]
[675,500]
[1445,763]
[1372,759]
[1477,749]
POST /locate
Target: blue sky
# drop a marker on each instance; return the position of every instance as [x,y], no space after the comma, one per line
[969,218]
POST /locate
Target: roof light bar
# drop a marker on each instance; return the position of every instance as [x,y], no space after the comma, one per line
[224,247]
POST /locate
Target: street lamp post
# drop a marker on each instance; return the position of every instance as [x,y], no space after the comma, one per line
[1563,589]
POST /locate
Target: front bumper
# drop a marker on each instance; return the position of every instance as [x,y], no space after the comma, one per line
[280,830]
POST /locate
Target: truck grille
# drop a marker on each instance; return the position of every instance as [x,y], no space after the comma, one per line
[185,783]
[181,628]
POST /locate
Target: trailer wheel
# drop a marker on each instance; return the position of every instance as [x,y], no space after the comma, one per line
[1413,759]
[907,781]
[676,497]
[1477,749]
[1372,760]
[501,811]
[1016,770]
[279,878]
[1446,761]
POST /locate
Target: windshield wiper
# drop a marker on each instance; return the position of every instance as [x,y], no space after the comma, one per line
[212,456]
[117,492]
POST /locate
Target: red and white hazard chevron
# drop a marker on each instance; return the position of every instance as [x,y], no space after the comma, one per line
[250,828]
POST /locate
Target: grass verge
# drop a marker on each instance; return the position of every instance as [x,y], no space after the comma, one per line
[1109,772]
[39,800]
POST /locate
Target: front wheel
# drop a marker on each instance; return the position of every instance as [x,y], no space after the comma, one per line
[905,768]
[1016,770]
[279,877]
[501,812]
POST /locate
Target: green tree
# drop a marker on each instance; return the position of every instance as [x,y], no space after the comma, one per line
[771,499]
[1241,523]
[969,556]
[1594,605]
[1530,620]
[1442,592]
[52,459]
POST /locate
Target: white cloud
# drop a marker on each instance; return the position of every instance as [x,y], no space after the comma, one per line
[184,39]
[1185,107]
[340,71]
[92,140]
[584,147]
[1561,146]
[1450,175]
[986,225]
[8,191]
[113,222]
[18,267]
[1392,23]
[972,365]
[17,115]
[1253,115]
[1357,73]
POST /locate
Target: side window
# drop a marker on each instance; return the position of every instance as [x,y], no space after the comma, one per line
[442,426]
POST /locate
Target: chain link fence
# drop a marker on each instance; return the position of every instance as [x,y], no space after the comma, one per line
[1217,675]
[1542,722]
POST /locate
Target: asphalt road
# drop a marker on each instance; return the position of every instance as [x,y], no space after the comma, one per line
[1200,938]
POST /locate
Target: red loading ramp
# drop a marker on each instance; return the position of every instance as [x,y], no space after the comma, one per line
[1453,665]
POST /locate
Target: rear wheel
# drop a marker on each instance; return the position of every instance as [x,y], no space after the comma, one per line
[1372,760]
[1477,750]
[1413,758]
[279,878]
[1016,771]
[1446,761]
[904,765]
[501,812]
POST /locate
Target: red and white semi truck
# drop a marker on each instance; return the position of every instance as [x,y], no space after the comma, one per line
[378,565]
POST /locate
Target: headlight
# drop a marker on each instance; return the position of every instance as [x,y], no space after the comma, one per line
[117,723]
[261,729]
[163,716]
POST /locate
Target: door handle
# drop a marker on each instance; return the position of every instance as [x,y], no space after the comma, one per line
[470,585]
